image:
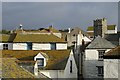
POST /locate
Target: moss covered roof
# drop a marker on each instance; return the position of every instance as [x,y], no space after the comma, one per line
[4,37]
[11,70]
[55,57]
[50,29]
[109,27]
[90,28]
[37,38]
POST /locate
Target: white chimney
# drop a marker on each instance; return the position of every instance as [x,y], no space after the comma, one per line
[20,26]
[69,30]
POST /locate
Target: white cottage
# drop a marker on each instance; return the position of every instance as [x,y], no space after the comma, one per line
[93,57]
[56,64]
[4,42]
[112,64]
[34,42]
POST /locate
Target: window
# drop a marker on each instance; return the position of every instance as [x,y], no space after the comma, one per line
[40,61]
[29,46]
[5,46]
[100,54]
[70,66]
[100,70]
[53,46]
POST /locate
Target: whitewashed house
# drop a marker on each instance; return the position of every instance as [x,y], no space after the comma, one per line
[56,64]
[75,35]
[112,64]
[4,42]
[93,57]
[33,42]
[38,42]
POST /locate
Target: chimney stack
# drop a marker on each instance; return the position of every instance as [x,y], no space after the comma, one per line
[69,30]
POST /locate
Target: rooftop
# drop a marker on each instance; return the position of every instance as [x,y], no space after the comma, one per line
[100,43]
[43,38]
[11,70]
[57,59]
[4,37]
[113,53]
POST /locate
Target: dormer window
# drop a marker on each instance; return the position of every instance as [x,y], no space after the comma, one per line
[40,61]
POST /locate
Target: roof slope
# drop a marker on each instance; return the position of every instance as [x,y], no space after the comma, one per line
[76,30]
[4,37]
[50,29]
[11,70]
[37,38]
[113,38]
[55,57]
[114,52]
[100,43]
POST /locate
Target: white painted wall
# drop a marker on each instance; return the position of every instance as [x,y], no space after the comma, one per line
[67,73]
[90,62]
[53,73]
[58,34]
[41,46]
[111,68]
[10,46]
[111,31]
[61,46]
[19,46]
[86,39]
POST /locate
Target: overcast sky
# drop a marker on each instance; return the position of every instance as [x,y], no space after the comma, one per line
[33,15]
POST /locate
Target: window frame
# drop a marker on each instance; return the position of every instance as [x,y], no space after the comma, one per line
[100,54]
[100,71]
[53,46]
[71,66]
[5,46]
[41,60]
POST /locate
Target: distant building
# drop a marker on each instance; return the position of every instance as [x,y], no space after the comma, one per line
[49,30]
[100,28]
[32,42]
[75,34]
[111,64]
[93,57]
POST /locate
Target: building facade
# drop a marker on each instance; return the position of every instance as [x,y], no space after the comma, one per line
[93,58]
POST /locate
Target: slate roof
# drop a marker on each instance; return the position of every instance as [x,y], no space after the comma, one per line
[76,31]
[113,53]
[113,38]
[57,59]
[11,70]
[100,43]
[45,38]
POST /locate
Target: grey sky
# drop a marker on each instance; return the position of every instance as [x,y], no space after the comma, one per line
[34,15]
